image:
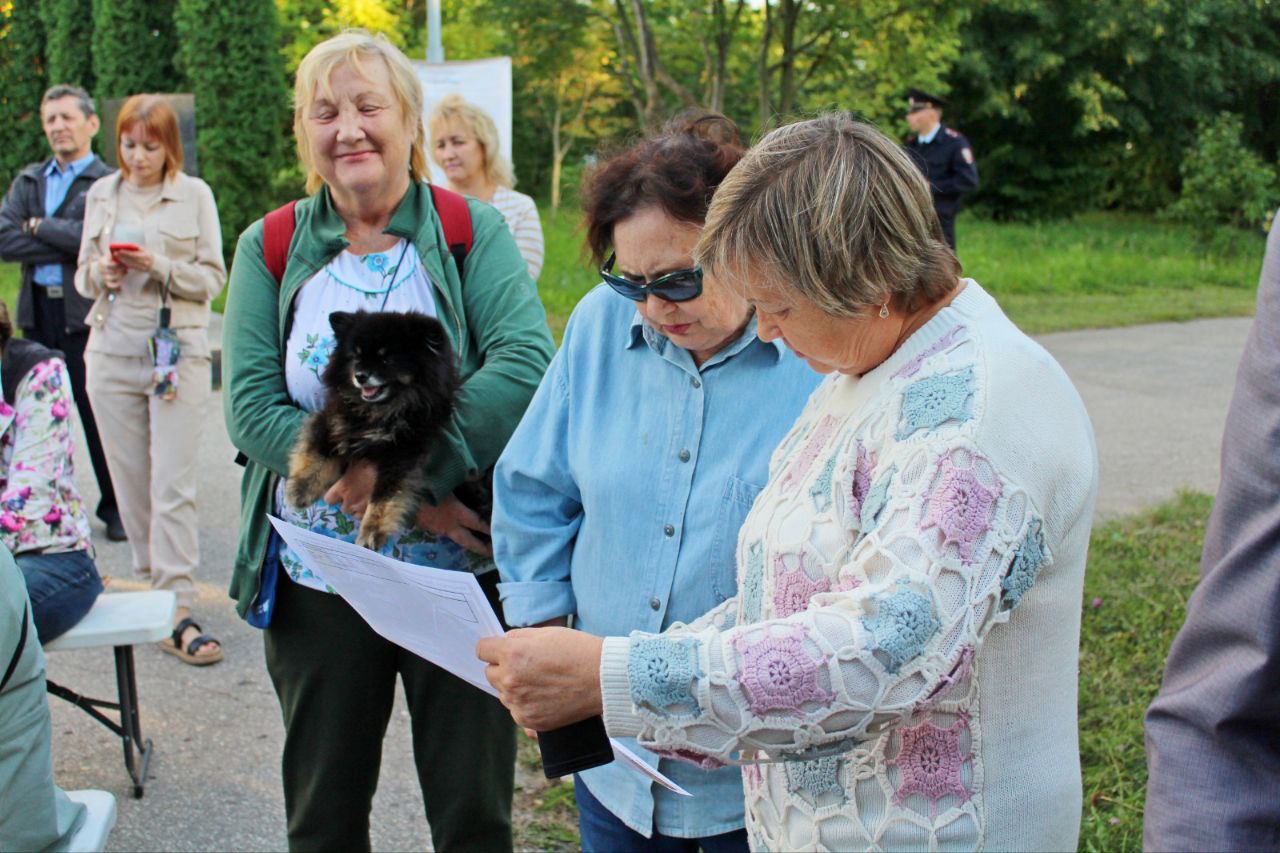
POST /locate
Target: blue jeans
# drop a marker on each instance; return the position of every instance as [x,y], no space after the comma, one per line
[602,832]
[62,587]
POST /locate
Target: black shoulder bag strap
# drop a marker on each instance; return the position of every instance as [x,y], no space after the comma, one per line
[17,653]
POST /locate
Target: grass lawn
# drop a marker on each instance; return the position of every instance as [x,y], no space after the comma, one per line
[1142,569]
[10,280]
[1097,270]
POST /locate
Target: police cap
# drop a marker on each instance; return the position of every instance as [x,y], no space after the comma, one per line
[919,100]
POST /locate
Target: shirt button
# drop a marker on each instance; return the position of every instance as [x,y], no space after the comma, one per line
[669,530]
[695,382]
[684,455]
[655,603]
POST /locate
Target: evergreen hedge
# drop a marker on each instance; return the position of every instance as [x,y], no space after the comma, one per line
[133,48]
[230,55]
[68,27]
[22,82]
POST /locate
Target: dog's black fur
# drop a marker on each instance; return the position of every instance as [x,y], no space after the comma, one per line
[391,384]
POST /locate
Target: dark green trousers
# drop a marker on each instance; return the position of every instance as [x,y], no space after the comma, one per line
[336,679]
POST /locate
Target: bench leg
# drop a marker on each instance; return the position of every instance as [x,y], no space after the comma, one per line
[131,725]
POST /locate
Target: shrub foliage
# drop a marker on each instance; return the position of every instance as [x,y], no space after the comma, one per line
[133,47]
[22,82]
[1223,182]
[229,53]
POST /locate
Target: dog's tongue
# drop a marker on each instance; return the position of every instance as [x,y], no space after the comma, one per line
[368,392]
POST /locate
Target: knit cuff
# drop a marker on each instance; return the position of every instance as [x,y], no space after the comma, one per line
[620,718]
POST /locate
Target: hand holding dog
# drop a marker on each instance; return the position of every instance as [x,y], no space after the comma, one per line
[547,677]
[456,520]
[354,489]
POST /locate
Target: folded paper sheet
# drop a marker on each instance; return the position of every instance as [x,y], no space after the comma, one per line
[437,614]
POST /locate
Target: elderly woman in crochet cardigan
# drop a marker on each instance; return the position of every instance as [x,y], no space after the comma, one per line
[898,668]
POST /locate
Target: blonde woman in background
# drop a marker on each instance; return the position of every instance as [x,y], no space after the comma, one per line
[151,430]
[464,143]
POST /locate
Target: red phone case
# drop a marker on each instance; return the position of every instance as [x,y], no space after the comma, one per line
[124,247]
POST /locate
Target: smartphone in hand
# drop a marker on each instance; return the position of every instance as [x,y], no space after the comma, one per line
[123,247]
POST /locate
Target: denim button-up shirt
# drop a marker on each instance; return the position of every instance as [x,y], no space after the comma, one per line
[619,499]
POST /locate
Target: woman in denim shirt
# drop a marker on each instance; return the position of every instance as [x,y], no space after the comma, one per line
[644,446]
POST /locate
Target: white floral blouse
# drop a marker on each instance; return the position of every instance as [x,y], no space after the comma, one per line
[40,507]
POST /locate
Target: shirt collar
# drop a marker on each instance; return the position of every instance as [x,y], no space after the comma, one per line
[75,167]
[642,331]
[925,140]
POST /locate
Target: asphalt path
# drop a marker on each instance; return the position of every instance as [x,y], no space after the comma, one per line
[1157,396]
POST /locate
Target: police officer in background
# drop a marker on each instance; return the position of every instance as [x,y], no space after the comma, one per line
[944,155]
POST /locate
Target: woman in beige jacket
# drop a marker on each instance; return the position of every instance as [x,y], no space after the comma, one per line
[165,266]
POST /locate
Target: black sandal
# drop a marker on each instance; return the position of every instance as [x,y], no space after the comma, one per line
[173,645]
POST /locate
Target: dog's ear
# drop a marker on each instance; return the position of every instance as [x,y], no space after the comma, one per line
[341,322]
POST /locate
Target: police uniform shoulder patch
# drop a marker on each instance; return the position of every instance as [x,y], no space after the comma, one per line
[967,154]
[954,133]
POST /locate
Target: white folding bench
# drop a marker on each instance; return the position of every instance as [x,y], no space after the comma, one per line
[120,620]
[99,818]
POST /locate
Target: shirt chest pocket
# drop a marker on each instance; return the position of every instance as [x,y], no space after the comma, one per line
[179,234]
[735,503]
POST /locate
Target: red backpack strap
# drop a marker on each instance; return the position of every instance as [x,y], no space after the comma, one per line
[277,233]
[455,219]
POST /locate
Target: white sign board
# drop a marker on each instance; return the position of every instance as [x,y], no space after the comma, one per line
[484,82]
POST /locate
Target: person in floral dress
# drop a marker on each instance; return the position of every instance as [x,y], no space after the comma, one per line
[42,516]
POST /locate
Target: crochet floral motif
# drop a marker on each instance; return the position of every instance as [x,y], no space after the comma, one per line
[930,402]
[777,674]
[662,672]
[793,589]
[943,343]
[875,501]
[902,626]
[860,481]
[752,778]
[805,458]
[960,506]
[820,491]
[821,776]
[753,583]
[930,762]
[1027,562]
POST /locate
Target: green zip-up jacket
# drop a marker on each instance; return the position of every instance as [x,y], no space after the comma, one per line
[495,322]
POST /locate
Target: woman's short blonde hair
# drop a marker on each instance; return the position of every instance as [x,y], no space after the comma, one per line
[357,47]
[482,127]
[834,209]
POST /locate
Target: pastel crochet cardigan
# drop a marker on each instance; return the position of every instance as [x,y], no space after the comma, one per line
[901,656]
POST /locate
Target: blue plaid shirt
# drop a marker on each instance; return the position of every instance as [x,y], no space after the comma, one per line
[57,181]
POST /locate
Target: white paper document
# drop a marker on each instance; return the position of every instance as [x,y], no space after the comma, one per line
[438,614]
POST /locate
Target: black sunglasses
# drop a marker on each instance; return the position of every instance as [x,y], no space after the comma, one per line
[677,286]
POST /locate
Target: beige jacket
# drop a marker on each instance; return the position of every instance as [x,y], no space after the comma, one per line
[182,232]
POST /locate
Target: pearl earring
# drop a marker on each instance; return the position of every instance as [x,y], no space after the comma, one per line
[884,310]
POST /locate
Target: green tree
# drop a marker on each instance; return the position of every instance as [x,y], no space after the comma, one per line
[134,43]
[22,82]
[1078,104]
[230,55]
[68,26]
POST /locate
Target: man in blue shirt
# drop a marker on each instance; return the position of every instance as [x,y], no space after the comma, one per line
[40,225]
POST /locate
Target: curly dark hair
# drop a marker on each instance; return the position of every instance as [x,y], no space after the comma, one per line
[677,169]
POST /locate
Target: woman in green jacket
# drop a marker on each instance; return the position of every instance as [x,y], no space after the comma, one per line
[369,237]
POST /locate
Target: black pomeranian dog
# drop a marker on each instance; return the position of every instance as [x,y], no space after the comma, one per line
[391,384]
